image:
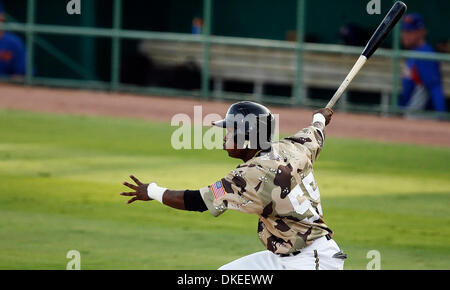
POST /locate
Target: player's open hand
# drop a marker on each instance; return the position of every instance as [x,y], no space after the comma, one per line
[140,190]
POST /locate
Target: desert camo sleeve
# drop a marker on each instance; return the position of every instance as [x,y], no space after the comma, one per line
[312,137]
[238,190]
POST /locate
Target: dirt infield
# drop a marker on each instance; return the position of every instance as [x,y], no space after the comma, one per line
[64,101]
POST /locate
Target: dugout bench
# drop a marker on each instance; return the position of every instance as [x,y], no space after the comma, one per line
[261,66]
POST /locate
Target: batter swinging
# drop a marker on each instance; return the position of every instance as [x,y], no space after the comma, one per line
[275,182]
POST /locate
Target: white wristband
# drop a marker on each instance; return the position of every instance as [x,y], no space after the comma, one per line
[319,118]
[155,192]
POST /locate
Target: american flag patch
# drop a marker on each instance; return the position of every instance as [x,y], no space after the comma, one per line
[217,189]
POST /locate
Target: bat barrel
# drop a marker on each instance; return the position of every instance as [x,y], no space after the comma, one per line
[391,19]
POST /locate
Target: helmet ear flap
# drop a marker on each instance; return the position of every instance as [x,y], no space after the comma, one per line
[253,125]
[266,128]
[257,133]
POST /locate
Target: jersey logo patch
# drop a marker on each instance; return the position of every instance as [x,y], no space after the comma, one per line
[217,189]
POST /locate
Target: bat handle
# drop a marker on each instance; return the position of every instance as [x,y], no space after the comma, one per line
[333,101]
[354,71]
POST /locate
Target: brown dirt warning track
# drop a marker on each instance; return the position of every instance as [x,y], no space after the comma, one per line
[92,103]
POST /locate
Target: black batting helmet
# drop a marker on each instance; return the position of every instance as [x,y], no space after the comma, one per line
[253,125]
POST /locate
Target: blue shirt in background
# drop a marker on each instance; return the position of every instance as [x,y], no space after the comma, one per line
[426,74]
[12,55]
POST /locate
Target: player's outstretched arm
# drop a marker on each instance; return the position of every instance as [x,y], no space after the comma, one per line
[183,200]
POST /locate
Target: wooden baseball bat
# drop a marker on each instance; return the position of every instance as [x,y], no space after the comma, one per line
[391,19]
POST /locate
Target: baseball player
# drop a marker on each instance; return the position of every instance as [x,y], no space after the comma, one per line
[275,182]
[422,79]
[12,52]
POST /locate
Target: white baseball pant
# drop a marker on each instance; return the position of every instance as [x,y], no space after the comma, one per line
[322,254]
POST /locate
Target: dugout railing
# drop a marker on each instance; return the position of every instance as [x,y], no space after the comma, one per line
[116,34]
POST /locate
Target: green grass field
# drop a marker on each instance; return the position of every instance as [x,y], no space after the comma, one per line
[60,178]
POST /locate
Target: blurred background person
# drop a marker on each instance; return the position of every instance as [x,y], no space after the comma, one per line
[422,82]
[12,52]
[354,35]
[444,46]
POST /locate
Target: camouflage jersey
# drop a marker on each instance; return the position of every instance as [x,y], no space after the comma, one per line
[278,186]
